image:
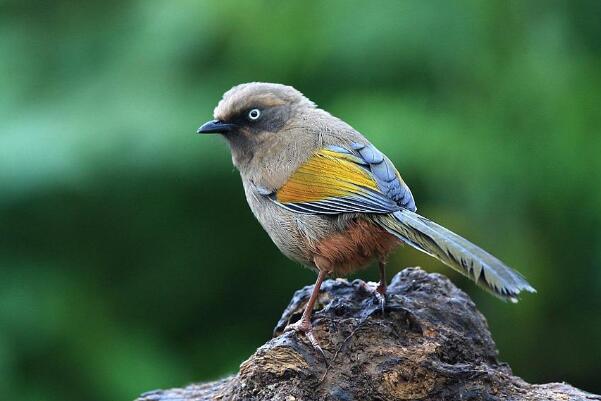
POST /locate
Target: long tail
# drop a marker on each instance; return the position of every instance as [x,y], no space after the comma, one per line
[456,252]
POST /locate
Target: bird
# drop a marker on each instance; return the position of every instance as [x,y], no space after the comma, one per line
[329,199]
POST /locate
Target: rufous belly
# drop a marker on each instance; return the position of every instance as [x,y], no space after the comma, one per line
[359,244]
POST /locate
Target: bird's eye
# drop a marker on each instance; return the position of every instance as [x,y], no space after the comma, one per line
[254,114]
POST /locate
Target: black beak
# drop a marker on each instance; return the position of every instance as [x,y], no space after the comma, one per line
[214,126]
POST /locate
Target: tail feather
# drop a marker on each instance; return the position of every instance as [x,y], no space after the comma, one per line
[456,252]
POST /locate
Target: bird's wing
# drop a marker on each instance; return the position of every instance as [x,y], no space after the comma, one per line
[337,180]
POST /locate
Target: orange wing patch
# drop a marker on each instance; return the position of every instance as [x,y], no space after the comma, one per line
[327,174]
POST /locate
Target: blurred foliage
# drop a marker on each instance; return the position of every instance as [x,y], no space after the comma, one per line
[125,241]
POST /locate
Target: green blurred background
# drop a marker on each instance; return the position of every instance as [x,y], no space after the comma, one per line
[129,259]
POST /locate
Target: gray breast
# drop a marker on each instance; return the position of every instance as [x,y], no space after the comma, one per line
[295,234]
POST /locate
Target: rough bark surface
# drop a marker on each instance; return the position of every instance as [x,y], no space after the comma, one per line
[430,344]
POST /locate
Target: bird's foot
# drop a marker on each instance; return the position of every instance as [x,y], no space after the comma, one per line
[305,327]
[381,295]
[379,291]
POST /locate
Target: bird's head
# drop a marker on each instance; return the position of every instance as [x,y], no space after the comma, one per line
[256,108]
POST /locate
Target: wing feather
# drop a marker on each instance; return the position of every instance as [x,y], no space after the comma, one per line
[338,180]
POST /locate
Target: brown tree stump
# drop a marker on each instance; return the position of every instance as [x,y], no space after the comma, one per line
[430,344]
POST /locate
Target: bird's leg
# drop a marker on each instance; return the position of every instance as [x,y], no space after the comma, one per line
[304,324]
[382,286]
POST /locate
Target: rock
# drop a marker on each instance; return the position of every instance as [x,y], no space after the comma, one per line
[430,344]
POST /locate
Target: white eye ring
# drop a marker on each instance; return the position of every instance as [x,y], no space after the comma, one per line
[254,114]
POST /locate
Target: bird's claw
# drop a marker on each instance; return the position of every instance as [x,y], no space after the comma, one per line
[381,295]
[379,292]
[306,328]
[382,298]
